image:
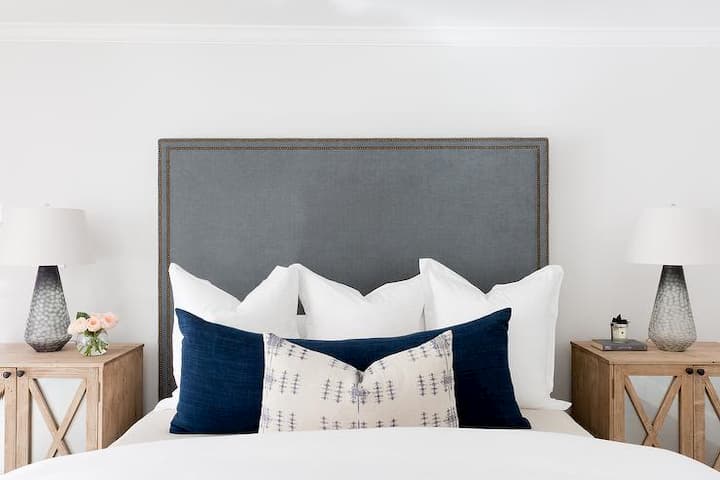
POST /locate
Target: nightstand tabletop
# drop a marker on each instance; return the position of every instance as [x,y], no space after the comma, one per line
[23,354]
[698,353]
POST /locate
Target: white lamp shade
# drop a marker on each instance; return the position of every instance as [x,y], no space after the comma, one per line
[44,236]
[676,236]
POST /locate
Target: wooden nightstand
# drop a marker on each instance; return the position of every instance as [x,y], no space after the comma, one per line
[61,403]
[656,398]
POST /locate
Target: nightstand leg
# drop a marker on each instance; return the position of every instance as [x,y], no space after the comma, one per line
[93,394]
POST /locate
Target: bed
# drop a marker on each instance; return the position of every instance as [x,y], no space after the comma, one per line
[347,183]
[363,211]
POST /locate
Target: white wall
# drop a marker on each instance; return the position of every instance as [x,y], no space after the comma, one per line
[628,127]
[474,13]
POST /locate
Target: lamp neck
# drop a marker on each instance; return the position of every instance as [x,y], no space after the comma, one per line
[673,269]
[673,275]
[48,273]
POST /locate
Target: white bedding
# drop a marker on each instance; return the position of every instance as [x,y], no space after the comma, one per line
[154,426]
[417,453]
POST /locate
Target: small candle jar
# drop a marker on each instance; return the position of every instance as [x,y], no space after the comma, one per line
[618,329]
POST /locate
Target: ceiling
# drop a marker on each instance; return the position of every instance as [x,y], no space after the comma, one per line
[634,14]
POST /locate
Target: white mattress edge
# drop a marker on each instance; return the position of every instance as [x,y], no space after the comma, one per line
[155,425]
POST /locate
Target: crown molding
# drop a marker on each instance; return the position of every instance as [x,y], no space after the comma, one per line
[357,36]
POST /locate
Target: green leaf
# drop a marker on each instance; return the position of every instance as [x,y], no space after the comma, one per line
[81,315]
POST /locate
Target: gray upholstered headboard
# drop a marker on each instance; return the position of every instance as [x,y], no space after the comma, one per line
[359,211]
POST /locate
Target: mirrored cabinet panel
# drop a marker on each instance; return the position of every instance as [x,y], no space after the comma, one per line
[649,419]
[58,417]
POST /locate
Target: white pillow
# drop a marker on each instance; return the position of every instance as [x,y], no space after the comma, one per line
[531,335]
[270,307]
[334,311]
[308,390]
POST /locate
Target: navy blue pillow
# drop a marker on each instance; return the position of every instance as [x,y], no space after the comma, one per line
[222,374]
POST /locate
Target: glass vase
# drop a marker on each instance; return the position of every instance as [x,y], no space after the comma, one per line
[91,344]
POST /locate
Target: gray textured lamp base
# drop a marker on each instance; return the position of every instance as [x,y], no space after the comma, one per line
[671,325]
[47,324]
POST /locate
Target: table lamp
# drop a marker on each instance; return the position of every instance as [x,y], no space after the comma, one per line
[45,237]
[673,237]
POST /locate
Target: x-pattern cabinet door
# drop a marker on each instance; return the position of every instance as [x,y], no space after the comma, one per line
[707,414]
[43,426]
[7,410]
[654,406]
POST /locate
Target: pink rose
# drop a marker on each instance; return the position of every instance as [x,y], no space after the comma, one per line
[94,324]
[77,326]
[109,320]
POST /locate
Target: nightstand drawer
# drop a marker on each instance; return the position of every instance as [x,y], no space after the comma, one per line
[62,403]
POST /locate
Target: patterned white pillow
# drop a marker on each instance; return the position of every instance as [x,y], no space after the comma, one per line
[308,390]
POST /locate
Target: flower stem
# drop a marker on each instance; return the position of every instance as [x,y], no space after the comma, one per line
[93,343]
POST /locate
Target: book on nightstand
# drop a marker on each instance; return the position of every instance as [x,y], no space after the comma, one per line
[626,346]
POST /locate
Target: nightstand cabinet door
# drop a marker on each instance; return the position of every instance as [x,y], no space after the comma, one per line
[707,414]
[653,406]
[7,418]
[57,412]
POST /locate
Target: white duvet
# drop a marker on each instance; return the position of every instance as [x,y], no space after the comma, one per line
[403,453]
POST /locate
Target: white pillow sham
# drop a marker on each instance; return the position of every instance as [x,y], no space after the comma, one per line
[334,311]
[308,390]
[270,307]
[452,300]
